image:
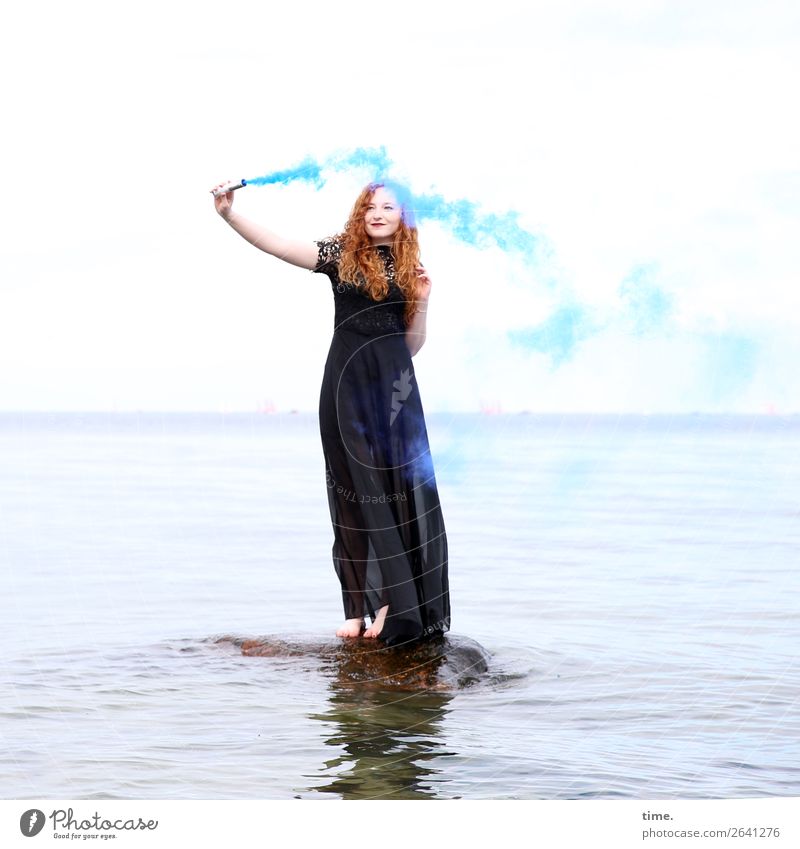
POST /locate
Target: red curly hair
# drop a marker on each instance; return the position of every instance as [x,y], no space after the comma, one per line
[361,261]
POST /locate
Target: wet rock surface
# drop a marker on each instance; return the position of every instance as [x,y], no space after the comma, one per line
[443,663]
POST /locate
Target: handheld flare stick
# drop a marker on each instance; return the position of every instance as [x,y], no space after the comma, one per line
[228,187]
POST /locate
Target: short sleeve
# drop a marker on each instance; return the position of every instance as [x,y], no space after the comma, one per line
[330,252]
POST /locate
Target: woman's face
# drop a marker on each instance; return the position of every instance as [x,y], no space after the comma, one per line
[383,217]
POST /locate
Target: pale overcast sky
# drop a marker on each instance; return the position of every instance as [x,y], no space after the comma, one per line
[654,147]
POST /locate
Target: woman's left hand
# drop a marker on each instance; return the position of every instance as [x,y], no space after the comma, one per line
[424,284]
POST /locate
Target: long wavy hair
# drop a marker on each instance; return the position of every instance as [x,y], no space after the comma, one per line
[361,261]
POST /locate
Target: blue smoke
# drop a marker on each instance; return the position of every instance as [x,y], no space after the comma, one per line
[311,171]
[462,217]
[558,336]
[645,309]
[648,308]
[731,360]
[466,222]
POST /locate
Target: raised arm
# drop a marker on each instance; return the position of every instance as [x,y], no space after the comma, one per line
[303,254]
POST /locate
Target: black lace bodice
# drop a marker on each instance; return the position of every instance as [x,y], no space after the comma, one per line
[355,309]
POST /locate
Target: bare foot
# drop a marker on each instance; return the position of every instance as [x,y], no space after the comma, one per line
[377,626]
[351,628]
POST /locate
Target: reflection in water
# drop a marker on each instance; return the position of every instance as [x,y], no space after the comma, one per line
[385,708]
[389,739]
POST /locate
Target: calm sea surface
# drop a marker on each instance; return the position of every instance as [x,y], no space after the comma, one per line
[635,580]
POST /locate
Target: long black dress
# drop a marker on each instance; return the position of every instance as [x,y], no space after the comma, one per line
[390,545]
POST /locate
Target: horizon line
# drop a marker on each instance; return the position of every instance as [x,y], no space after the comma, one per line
[489,412]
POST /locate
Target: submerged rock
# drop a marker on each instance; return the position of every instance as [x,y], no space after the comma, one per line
[441,663]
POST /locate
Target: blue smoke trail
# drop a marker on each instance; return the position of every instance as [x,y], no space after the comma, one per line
[645,307]
[648,308]
[463,218]
[479,229]
[731,361]
[558,335]
[311,171]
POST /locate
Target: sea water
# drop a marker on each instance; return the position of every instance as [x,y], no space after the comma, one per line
[635,579]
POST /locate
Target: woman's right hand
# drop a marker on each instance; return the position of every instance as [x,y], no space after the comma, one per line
[223,202]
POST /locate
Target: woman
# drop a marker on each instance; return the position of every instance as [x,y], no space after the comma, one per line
[390,546]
